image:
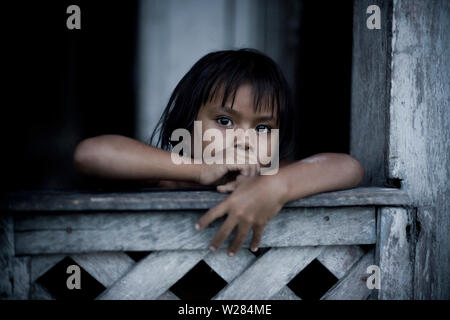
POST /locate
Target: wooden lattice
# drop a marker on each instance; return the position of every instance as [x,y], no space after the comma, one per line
[37,234]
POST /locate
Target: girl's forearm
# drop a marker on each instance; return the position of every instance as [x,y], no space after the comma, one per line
[319,173]
[119,157]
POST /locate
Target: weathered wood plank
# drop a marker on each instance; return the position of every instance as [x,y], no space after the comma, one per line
[269,274]
[41,264]
[185,200]
[80,233]
[6,255]
[21,278]
[285,294]
[425,277]
[395,253]
[153,275]
[353,285]
[38,292]
[229,268]
[168,295]
[339,259]
[106,267]
[370,90]
[419,125]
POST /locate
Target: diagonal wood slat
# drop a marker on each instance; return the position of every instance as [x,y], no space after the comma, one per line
[41,264]
[38,292]
[339,259]
[106,267]
[353,285]
[285,294]
[282,264]
[229,268]
[153,275]
[168,295]
[226,267]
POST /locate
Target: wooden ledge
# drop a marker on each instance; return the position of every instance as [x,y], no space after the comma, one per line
[161,200]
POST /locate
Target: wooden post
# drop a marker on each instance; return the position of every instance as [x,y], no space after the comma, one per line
[14,272]
[395,253]
[370,90]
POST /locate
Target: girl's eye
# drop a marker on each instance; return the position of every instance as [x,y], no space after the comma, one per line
[263,128]
[224,121]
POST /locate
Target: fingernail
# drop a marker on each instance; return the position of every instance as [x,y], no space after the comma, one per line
[230,254]
[197,227]
[212,248]
[254,249]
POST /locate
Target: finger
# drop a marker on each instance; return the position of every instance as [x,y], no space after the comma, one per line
[242,168]
[240,237]
[223,233]
[257,235]
[258,169]
[254,170]
[211,215]
[228,187]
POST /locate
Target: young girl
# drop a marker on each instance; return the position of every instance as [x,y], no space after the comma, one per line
[231,89]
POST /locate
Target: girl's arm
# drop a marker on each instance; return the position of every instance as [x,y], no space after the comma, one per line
[319,173]
[256,200]
[123,158]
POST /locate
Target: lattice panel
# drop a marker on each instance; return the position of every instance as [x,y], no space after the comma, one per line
[274,275]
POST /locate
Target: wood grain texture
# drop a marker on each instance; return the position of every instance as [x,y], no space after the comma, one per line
[420,127]
[229,267]
[269,274]
[370,91]
[395,253]
[82,233]
[6,255]
[106,267]
[153,275]
[42,263]
[168,295]
[285,294]
[353,285]
[145,200]
[38,292]
[339,259]
[21,278]
[424,277]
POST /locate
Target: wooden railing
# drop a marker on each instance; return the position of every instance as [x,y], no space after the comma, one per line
[38,229]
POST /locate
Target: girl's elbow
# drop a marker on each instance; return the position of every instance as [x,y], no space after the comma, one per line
[84,154]
[358,171]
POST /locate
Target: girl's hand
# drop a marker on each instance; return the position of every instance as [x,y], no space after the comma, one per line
[255,201]
[216,173]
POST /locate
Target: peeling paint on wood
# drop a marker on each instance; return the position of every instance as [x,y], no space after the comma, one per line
[420,130]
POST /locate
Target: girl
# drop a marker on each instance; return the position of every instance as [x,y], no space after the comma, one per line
[231,89]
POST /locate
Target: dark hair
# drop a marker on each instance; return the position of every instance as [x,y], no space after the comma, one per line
[228,69]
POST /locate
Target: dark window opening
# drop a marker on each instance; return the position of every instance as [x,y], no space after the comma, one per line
[70,85]
[324,78]
[66,85]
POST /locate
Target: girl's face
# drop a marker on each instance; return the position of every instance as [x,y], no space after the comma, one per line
[242,116]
